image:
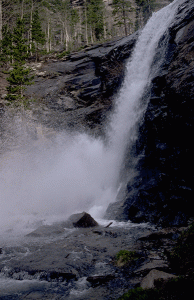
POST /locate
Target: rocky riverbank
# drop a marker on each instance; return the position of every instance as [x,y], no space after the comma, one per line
[63,261]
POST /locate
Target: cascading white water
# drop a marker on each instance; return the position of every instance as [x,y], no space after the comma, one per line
[47,180]
[138,76]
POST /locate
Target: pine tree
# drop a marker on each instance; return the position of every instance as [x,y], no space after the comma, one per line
[6,47]
[147,6]
[38,37]
[120,10]
[19,75]
[95,18]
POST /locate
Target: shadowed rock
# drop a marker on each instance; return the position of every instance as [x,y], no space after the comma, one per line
[100,279]
[148,281]
[82,220]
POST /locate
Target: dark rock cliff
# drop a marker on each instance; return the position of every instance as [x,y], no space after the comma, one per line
[78,89]
[162,192]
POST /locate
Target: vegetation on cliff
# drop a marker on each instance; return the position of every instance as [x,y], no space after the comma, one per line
[61,26]
[19,74]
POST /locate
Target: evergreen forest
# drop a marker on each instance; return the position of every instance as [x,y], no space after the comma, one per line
[32,28]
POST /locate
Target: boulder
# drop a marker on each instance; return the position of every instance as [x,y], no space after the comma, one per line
[155,263]
[82,220]
[148,281]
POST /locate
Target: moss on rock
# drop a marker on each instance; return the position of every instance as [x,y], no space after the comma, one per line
[124,257]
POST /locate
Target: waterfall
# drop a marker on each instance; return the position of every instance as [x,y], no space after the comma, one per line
[139,74]
[46,180]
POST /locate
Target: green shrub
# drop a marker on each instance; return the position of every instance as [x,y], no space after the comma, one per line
[64,53]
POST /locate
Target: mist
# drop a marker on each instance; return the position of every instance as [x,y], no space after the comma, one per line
[45,179]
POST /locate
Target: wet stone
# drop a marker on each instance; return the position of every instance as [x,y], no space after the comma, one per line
[83,220]
[76,264]
[100,279]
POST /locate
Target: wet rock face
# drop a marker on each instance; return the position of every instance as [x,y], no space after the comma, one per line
[78,89]
[162,192]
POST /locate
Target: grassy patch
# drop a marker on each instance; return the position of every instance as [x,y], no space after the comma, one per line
[124,257]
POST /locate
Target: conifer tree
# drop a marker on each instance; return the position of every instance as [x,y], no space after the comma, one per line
[38,37]
[147,6]
[95,18]
[120,10]
[6,47]
[74,20]
[19,75]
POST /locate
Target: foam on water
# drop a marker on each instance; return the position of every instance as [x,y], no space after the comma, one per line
[8,286]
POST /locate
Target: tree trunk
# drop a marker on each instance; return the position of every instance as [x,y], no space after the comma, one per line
[104,26]
[125,22]
[30,30]
[50,42]
[79,28]
[22,10]
[92,38]
[48,36]
[86,20]
[1,22]
[66,36]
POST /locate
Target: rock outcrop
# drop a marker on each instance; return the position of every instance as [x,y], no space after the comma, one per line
[77,89]
[162,193]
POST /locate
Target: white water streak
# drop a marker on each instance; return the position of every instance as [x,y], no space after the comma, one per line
[129,109]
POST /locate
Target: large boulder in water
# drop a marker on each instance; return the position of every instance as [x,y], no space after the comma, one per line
[82,220]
